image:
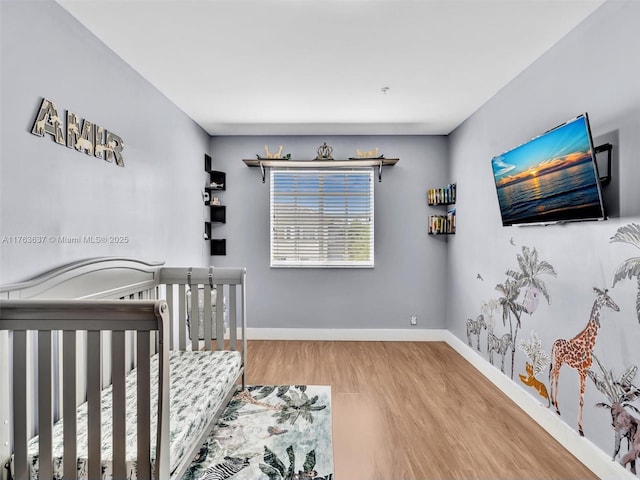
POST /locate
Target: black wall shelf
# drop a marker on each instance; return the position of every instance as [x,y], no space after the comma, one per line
[217,181]
[217,213]
[218,246]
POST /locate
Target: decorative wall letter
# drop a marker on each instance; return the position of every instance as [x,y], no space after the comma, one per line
[100,144]
[48,121]
[73,129]
[116,145]
[85,142]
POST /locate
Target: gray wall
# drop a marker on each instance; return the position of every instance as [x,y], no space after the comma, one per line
[595,68]
[409,274]
[48,190]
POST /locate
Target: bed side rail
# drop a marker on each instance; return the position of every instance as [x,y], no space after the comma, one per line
[208,297]
[19,317]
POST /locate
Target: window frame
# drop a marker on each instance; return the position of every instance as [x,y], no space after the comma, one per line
[323,173]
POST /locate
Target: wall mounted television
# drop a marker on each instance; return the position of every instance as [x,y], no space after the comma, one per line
[552,178]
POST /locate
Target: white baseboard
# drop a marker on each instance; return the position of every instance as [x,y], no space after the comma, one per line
[355,334]
[583,449]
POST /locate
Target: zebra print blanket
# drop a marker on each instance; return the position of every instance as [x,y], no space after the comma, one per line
[272,433]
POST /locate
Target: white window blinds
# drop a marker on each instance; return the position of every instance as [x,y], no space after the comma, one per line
[321,218]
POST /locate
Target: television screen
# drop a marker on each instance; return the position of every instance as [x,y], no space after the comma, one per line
[551,178]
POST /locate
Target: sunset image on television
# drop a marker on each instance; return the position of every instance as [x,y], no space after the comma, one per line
[550,178]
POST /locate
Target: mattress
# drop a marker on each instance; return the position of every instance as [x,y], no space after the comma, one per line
[199,381]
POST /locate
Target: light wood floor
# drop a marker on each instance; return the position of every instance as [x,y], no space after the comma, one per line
[414,410]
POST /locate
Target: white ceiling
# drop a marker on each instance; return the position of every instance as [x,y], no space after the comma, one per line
[245,67]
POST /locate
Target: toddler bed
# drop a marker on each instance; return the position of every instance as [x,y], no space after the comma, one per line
[96,359]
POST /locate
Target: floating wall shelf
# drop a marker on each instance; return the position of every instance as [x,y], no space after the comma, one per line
[218,246]
[217,213]
[356,163]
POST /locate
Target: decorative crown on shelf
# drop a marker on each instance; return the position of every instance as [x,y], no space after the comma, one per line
[324,152]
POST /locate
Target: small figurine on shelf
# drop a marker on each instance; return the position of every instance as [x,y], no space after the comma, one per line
[215,201]
[368,153]
[268,154]
[273,156]
[324,152]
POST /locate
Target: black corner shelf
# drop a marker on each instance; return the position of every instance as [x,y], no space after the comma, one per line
[215,176]
[218,214]
[217,180]
[218,246]
[441,233]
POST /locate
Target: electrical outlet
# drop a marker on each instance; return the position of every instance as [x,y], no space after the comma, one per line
[413,319]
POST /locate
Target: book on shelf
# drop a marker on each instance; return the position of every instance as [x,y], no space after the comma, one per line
[442,196]
[442,223]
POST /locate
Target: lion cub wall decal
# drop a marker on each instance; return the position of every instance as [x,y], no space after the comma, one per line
[538,361]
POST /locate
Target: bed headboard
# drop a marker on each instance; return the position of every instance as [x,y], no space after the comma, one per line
[94,278]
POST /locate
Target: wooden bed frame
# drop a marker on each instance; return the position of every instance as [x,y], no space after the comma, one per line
[84,326]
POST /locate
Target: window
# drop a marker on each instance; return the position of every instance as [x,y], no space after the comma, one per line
[321,218]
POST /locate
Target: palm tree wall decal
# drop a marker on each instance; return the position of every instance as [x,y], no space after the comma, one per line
[530,269]
[631,267]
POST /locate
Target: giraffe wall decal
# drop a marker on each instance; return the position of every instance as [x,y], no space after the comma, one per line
[576,352]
